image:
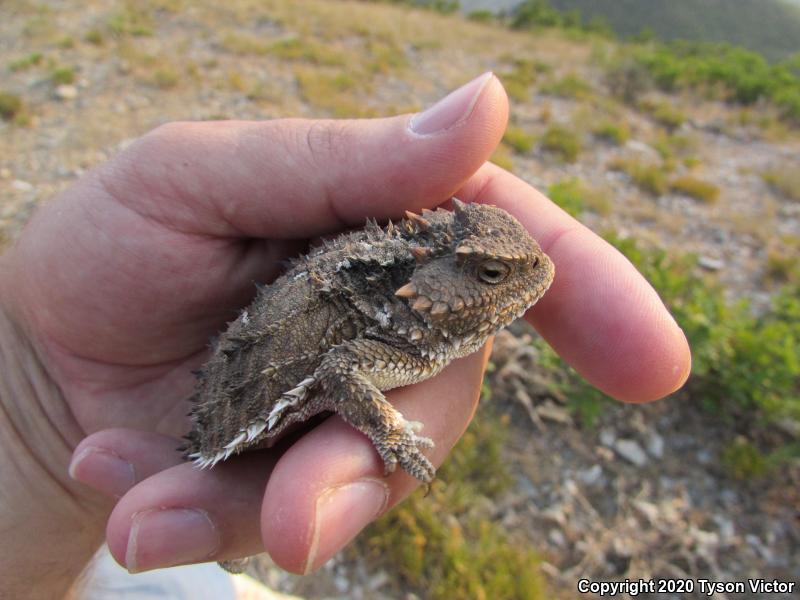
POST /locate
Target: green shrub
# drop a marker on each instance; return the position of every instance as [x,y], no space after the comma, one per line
[569,86]
[445,545]
[95,37]
[743,363]
[740,360]
[536,13]
[782,265]
[11,106]
[531,14]
[664,113]
[62,75]
[523,73]
[743,75]
[744,460]
[30,60]
[695,188]
[615,133]
[481,16]
[647,176]
[166,77]
[562,142]
[627,79]
[133,19]
[574,196]
[671,146]
[305,51]
[519,139]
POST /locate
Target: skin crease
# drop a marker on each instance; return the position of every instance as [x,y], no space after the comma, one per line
[119,282]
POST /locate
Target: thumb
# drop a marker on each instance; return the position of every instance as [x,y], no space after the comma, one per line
[291,178]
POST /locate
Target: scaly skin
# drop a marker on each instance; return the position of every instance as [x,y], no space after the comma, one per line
[372,310]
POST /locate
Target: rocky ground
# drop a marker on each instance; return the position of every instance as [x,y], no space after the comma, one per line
[643,493]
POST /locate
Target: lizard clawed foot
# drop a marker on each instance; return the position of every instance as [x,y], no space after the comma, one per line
[235,565]
[404,447]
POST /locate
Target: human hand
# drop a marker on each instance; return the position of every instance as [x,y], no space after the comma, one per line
[121,281]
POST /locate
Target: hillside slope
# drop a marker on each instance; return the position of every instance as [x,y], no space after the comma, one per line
[768,26]
[534,492]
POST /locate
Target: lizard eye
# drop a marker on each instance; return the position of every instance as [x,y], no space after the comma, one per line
[493,271]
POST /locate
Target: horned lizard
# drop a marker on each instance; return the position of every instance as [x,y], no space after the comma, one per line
[366,312]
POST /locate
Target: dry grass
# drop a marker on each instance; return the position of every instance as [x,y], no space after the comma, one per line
[784,179]
[518,139]
[614,132]
[647,176]
[11,106]
[562,142]
[570,86]
[696,188]
[664,113]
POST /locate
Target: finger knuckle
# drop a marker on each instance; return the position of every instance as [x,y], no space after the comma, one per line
[327,141]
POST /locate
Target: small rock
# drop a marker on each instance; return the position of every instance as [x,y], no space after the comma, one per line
[655,445]
[726,527]
[730,497]
[592,475]
[550,412]
[711,264]
[526,487]
[641,148]
[341,582]
[21,186]
[704,457]
[603,453]
[607,437]
[648,510]
[377,581]
[557,538]
[66,92]
[631,451]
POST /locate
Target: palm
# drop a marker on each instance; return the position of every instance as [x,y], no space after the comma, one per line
[124,337]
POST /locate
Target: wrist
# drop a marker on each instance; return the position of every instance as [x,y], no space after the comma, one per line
[49,523]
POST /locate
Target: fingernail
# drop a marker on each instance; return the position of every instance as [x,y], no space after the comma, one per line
[168,537]
[104,470]
[450,110]
[342,512]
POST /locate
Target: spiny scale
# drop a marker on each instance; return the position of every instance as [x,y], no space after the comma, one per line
[365,312]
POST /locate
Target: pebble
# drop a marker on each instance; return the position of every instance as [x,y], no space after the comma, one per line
[607,437]
[631,451]
[66,92]
[711,264]
[642,149]
[21,186]
[592,475]
[655,445]
[550,412]
[704,457]
[726,527]
[557,538]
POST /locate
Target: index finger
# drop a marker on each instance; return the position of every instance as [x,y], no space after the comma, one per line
[600,313]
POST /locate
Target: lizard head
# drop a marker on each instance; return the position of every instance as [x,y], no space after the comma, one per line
[477,270]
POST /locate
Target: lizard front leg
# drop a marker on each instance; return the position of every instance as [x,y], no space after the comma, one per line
[352,376]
